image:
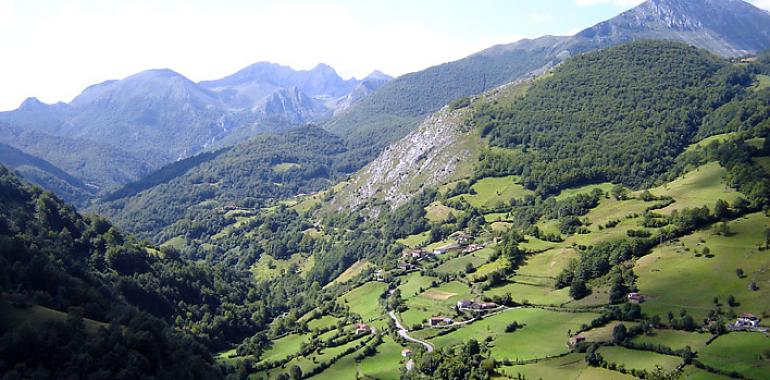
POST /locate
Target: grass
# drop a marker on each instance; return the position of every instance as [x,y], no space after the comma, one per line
[763,82]
[414,241]
[386,364]
[436,212]
[700,187]
[694,373]
[354,270]
[699,279]
[764,162]
[412,284]
[549,263]
[547,328]
[458,264]
[285,167]
[365,300]
[534,294]
[568,193]
[739,352]
[12,317]
[323,322]
[306,363]
[493,191]
[435,301]
[572,366]
[604,333]
[284,347]
[674,339]
[534,244]
[639,360]
[708,140]
[268,268]
[496,217]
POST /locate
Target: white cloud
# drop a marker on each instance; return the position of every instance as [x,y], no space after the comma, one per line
[7,13]
[60,54]
[764,4]
[617,3]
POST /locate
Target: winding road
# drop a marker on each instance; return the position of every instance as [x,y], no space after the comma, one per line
[404,333]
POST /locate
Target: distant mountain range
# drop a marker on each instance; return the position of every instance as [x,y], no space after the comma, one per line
[729,28]
[118,132]
[159,116]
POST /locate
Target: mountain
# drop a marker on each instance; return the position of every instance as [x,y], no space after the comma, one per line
[156,117]
[44,174]
[728,28]
[251,174]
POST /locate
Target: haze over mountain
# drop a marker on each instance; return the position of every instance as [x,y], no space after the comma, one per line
[160,116]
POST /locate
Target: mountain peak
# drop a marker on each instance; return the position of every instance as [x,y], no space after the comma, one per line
[378,75]
[709,24]
[31,103]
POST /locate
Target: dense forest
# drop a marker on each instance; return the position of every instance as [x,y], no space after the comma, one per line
[249,175]
[620,115]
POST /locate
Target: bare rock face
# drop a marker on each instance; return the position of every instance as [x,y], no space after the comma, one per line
[425,158]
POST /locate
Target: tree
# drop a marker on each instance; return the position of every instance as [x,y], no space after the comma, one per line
[731,301]
[578,289]
[721,209]
[619,191]
[619,333]
[739,273]
[295,372]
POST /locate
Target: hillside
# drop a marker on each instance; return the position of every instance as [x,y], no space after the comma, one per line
[46,247]
[399,107]
[44,174]
[249,175]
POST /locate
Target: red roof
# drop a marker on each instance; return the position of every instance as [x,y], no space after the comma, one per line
[748,316]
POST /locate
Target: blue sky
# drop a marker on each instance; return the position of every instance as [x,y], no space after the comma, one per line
[53,49]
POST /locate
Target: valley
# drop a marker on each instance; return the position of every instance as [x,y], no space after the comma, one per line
[598,208]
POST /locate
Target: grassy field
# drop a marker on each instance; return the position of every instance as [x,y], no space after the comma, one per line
[604,333]
[496,217]
[490,192]
[323,322]
[572,366]
[534,294]
[414,241]
[637,359]
[674,339]
[549,263]
[694,373]
[568,193]
[700,187]
[12,317]
[436,212]
[437,301]
[386,364]
[458,264]
[708,140]
[763,82]
[354,270]
[547,328]
[534,244]
[306,363]
[412,284]
[285,167]
[267,267]
[739,352]
[699,279]
[365,300]
[284,347]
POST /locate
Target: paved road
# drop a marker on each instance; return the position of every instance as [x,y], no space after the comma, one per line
[404,333]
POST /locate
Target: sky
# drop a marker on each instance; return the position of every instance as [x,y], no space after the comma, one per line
[53,49]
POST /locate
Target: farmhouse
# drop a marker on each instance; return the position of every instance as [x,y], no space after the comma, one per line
[461,237]
[473,248]
[406,352]
[438,321]
[635,298]
[415,254]
[575,340]
[747,321]
[362,328]
[446,249]
[486,305]
[464,304]
[379,275]
[404,265]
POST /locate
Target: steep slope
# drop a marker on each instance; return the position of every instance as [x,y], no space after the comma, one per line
[44,174]
[250,174]
[728,28]
[46,247]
